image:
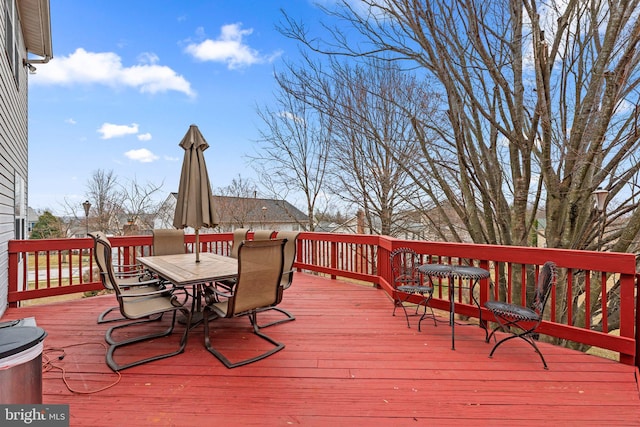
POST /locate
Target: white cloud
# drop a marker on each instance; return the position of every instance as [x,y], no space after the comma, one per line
[70,121]
[229,48]
[106,68]
[624,107]
[144,137]
[109,130]
[290,116]
[172,159]
[148,58]
[142,155]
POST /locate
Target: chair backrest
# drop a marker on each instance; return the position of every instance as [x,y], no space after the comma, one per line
[290,249]
[404,267]
[546,281]
[102,254]
[259,271]
[168,242]
[263,234]
[239,235]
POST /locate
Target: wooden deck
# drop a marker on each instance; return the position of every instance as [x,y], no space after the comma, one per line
[347,362]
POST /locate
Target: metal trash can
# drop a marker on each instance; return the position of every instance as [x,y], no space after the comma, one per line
[21,364]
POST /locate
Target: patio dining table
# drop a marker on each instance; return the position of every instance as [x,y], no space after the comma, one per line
[182,270]
[453,272]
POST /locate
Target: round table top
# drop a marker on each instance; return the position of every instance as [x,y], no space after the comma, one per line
[447,270]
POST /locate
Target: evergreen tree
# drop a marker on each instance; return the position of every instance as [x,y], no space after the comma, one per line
[47,227]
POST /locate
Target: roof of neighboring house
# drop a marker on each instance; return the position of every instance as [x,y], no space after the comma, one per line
[254,210]
[35,18]
[262,209]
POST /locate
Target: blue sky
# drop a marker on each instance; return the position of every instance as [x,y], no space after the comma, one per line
[128,77]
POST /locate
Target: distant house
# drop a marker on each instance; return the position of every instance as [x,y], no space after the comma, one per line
[353,225]
[404,226]
[25,29]
[242,212]
[32,219]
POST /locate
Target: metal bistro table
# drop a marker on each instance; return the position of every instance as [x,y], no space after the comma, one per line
[452,272]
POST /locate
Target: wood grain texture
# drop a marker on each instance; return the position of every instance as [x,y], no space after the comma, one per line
[347,362]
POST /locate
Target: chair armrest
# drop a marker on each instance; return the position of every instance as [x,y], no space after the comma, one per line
[144,294]
[227,285]
[142,283]
[165,292]
[287,284]
[212,294]
[128,267]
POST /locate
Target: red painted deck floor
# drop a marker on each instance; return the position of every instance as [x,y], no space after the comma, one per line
[347,362]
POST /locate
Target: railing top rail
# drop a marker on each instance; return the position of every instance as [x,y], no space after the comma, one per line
[624,263]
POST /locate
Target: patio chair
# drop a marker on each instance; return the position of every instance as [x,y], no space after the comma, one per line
[171,242]
[168,242]
[133,277]
[239,235]
[259,273]
[406,281]
[522,322]
[287,275]
[263,234]
[146,304]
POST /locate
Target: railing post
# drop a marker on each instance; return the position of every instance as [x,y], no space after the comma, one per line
[484,290]
[637,312]
[334,258]
[13,275]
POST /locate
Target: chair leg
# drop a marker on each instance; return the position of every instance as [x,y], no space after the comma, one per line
[109,338]
[400,303]
[289,317]
[425,302]
[252,318]
[525,336]
[424,315]
[116,345]
[102,317]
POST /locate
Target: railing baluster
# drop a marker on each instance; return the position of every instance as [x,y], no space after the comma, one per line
[366,258]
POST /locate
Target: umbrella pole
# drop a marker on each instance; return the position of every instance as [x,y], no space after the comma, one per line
[197,245]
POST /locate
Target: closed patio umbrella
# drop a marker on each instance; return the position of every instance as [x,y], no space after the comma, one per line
[195,200]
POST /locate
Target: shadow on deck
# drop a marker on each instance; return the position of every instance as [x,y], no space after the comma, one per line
[347,361]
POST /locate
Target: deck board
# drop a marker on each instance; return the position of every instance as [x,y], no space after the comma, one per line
[347,362]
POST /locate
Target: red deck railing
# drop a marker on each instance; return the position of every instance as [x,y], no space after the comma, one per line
[43,268]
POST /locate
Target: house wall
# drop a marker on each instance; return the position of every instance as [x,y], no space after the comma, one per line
[13,145]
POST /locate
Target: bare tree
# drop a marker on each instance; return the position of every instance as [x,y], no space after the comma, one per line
[542,107]
[293,152]
[112,200]
[106,201]
[244,193]
[364,109]
[138,202]
[541,100]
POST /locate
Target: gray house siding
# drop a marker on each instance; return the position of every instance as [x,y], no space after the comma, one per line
[13,143]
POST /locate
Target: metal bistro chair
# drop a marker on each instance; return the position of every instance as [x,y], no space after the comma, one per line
[147,304]
[407,280]
[259,272]
[132,277]
[287,276]
[522,322]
